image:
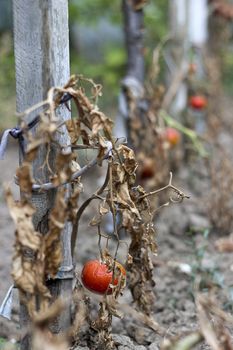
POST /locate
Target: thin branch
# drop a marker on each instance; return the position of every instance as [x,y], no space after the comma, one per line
[158,209]
[83,147]
[49,185]
[169,186]
[82,208]
[33,108]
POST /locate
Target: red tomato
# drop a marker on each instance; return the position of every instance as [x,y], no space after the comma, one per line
[96,276]
[172,136]
[192,68]
[198,102]
[147,169]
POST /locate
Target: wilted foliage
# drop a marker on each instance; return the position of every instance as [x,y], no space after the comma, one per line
[220,198]
[38,256]
[213,323]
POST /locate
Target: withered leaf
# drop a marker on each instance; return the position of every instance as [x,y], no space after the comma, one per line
[57,218]
[102,149]
[100,122]
[24,175]
[224,244]
[44,339]
[124,200]
[103,209]
[96,220]
[22,213]
[73,127]
[118,173]
[63,169]
[85,137]
[139,4]
[130,164]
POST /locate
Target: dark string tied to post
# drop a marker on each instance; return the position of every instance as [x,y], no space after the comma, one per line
[17,132]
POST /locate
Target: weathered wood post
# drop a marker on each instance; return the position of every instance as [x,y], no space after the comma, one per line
[198,22]
[179,49]
[42,61]
[198,34]
[132,83]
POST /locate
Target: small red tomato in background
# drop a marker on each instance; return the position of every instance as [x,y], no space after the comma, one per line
[147,169]
[192,68]
[198,102]
[172,136]
[96,276]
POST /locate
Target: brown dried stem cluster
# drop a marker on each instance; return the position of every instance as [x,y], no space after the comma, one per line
[38,257]
[222,8]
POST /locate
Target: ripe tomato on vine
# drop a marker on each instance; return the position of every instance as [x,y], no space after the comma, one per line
[198,102]
[172,136]
[97,277]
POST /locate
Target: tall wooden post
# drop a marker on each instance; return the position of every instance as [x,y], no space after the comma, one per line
[133,28]
[42,61]
[198,22]
[198,34]
[179,31]
[134,78]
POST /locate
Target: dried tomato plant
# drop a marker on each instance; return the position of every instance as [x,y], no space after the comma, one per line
[146,134]
[214,322]
[219,205]
[38,257]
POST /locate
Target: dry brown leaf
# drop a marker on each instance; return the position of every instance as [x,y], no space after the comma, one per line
[22,213]
[139,4]
[96,220]
[144,319]
[85,137]
[100,122]
[186,342]
[124,200]
[44,339]
[224,244]
[73,127]
[130,164]
[103,208]
[63,169]
[24,175]
[212,323]
[43,318]
[53,249]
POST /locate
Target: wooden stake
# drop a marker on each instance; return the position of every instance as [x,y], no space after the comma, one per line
[178,52]
[135,73]
[42,61]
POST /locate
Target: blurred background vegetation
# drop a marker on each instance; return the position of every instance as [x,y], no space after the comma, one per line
[97,49]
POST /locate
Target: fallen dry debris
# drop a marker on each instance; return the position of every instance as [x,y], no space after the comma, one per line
[224,244]
[214,327]
[44,339]
[186,342]
[219,203]
[214,323]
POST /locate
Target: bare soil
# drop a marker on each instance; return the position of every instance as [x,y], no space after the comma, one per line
[181,240]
